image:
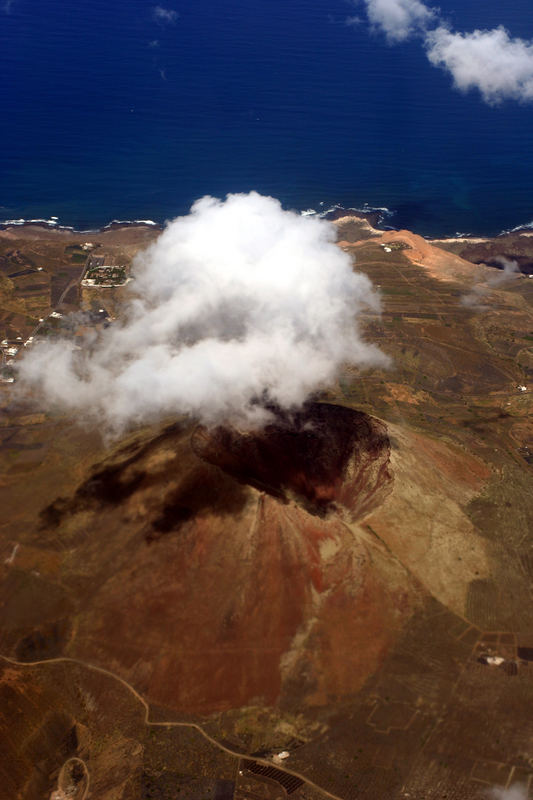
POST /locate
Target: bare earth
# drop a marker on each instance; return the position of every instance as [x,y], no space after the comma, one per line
[354,587]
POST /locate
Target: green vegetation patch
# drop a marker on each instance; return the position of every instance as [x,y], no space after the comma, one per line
[398,246]
[106,275]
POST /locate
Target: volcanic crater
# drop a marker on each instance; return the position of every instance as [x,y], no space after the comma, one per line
[327,458]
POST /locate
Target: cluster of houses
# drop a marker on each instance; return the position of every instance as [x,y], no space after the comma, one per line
[9,349]
[98,274]
[102,275]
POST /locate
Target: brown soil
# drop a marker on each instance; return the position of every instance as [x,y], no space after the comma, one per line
[440,265]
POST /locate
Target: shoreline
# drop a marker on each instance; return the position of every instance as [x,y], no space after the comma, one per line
[375,219]
[53,224]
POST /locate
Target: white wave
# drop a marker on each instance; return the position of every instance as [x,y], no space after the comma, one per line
[383,211]
[53,222]
[130,222]
[329,210]
[525,227]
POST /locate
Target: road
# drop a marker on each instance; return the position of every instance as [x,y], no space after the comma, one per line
[61,777]
[148,722]
[74,282]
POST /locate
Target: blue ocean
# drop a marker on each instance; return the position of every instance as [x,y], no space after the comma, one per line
[129,110]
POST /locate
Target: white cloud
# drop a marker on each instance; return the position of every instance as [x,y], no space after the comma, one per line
[479,292]
[516,792]
[236,301]
[165,14]
[6,6]
[399,19]
[353,22]
[491,61]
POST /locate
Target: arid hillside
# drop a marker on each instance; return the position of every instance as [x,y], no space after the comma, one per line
[338,605]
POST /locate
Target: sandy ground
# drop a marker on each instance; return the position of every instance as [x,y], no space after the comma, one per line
[439,264]
[469,239]
[361,221]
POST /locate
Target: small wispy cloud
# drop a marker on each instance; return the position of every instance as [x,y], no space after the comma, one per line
[515,792]
[7,5]
[353,22]
[399,19]
[154,43]
[474,300]
[165,15]
[491,61]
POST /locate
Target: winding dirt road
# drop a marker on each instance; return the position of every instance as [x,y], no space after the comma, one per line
[61,777]
[149,723]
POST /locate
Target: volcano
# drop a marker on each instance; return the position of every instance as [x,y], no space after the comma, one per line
[230,567]
[223,566]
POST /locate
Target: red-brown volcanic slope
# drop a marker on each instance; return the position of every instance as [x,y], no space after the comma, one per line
[217,569]
[217,592]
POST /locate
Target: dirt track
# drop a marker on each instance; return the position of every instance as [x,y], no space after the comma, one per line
[148,722]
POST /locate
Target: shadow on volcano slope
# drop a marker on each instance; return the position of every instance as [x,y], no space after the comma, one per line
[326,458]
[112,483]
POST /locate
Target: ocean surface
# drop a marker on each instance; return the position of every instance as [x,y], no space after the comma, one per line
[112,111]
